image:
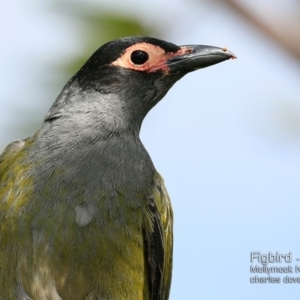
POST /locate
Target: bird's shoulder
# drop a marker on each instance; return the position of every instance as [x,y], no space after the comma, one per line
[10,155]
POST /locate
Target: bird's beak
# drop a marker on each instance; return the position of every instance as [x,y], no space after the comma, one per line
[193,57]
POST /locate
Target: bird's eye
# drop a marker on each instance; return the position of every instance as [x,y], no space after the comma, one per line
[139,57]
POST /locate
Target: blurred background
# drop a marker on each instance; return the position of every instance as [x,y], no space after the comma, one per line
[226,139]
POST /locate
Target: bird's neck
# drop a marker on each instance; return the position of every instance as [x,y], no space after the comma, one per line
[93,113]
[109,162]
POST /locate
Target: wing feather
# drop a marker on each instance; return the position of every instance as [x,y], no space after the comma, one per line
[159,242]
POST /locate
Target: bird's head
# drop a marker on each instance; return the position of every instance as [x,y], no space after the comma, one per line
[125,78]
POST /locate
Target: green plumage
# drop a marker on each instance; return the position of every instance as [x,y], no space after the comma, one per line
[60,250]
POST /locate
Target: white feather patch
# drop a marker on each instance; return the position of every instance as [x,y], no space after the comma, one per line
[84,214]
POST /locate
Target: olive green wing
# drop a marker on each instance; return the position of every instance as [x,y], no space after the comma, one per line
[159,242]
[11,171]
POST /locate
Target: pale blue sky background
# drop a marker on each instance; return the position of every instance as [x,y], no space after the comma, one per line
[226,139]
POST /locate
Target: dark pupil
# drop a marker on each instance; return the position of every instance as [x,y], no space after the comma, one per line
[139,57]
